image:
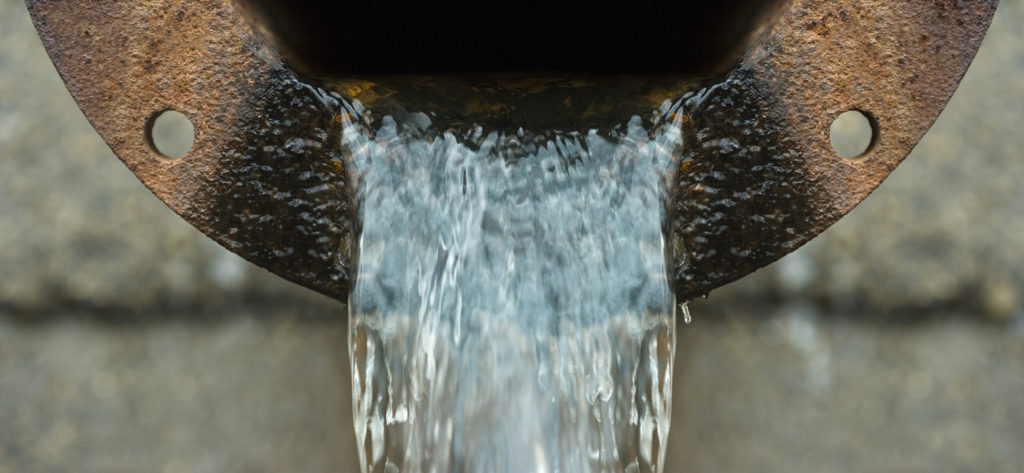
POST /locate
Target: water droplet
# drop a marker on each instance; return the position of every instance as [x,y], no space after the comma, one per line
[686,313]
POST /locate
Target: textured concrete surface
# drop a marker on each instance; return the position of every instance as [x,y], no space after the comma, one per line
[129,342]
[794,389]
[239,395]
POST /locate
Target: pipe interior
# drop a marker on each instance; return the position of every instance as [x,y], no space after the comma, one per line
[344,38]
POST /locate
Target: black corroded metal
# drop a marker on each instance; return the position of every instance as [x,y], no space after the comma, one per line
[267,179]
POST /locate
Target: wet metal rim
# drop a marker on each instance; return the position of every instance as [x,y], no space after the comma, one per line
[758,177]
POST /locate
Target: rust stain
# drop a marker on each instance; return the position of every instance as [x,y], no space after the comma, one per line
[756,183]
[899,62]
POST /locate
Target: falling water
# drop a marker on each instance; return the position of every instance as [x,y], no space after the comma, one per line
[511,311]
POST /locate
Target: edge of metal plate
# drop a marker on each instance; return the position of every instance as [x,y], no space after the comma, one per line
[758,178]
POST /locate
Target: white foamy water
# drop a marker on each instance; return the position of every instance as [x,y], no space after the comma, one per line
[511,311]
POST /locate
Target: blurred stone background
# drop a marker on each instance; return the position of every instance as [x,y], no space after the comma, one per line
[131,343]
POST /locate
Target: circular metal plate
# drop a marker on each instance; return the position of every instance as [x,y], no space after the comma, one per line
[758,177]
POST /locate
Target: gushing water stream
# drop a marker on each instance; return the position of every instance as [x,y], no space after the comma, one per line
[511,311]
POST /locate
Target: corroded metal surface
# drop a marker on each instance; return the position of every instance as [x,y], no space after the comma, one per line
[266,178]
[760,177]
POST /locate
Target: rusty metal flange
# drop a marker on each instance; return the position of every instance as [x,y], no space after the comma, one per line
[267,180]
[760,177]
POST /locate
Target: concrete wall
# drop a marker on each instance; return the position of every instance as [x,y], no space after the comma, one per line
[129,342]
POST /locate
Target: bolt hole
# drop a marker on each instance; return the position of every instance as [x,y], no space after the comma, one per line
[852,134]
[171,134]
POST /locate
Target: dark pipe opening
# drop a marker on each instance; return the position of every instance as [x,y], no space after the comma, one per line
[344,37]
